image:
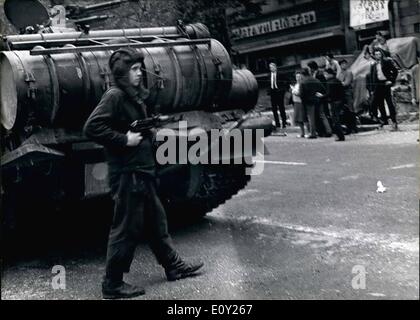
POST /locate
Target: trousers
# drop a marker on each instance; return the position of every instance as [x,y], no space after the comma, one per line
[336,109]
[277,106]
[136,205]
[322,114]
[383,92]
[312,110]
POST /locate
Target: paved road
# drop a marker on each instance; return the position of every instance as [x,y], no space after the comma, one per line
[296,232]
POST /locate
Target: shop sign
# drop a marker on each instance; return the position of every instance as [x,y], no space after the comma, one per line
[274,25]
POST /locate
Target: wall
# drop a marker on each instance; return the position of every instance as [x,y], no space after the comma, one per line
[406,18]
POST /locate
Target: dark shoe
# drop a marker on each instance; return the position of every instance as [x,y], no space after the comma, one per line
[120,290]
[279,132]
[383,123]
[394,127]
[276,130]
[328,135]
[311,137]
[340,139]
[180,269]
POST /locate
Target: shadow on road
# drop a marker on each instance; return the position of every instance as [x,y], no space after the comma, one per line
[74,232]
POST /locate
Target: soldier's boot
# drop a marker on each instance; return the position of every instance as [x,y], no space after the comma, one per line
[120,290]
[179,269]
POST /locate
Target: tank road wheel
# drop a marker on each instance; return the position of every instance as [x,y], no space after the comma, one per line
[209,187]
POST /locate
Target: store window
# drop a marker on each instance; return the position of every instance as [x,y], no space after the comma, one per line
[289,60]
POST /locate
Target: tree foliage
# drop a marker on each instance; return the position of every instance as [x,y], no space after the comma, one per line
[213,13]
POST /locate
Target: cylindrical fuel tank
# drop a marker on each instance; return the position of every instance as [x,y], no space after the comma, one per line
[26,41]
[244,92]
[50,90]
[61,90]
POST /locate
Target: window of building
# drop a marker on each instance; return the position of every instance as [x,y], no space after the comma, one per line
[261,65]
[289,60]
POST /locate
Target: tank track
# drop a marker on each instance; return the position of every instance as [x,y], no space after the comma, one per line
[219,184]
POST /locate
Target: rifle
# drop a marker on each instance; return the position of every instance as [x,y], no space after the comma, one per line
[145,125]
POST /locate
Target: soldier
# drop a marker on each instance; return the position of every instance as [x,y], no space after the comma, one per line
[132,178]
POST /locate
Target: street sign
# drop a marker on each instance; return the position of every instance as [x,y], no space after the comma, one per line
[363,12]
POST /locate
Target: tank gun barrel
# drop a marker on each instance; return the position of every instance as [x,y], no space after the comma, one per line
[104,5]
[37,52]
[28,41]
[76,42]
[91,19]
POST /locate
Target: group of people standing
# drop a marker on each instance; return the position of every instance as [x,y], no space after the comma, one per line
[319,99]
[323,99]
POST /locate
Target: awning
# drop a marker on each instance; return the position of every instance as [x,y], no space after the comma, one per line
[278,42]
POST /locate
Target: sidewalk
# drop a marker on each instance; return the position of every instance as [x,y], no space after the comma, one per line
[404,126]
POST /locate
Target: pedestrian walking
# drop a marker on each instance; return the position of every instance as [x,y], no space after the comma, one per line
[132,178]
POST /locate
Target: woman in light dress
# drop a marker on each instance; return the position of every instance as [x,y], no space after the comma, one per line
[299,111]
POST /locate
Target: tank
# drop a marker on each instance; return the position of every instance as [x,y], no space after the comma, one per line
[47,93]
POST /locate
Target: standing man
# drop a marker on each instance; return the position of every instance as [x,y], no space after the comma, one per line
[335,97]
[346,78]
[308,89]
[132,178]
[382,77]
[277,96]
[332,63]
[380,43]
[322,111]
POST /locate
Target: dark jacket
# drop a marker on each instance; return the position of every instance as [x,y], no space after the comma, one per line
[108,125]
[389,70]
[309,87]
[334,90]
[320,76]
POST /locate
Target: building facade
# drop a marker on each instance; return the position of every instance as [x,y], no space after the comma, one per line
[405,18]
[291,31]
